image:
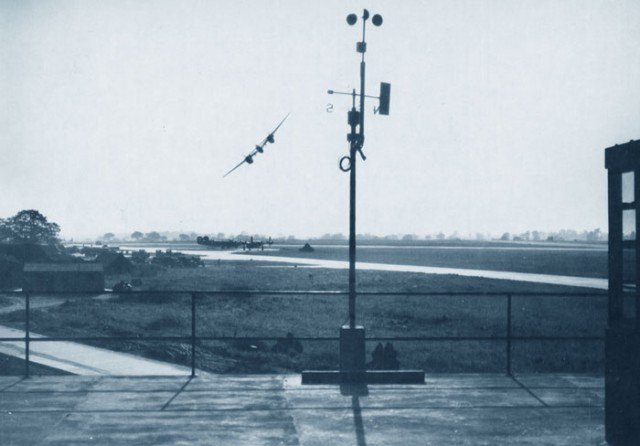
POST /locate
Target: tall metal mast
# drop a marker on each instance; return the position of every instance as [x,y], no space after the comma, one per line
[356,142]
[352,336]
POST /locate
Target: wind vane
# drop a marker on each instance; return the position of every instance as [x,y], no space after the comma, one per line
[259,147]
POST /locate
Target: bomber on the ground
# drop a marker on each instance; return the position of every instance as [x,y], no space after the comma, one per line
[251,244]
[233,244]
[218,244]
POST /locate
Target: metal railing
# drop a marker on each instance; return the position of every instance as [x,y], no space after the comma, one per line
[508,338]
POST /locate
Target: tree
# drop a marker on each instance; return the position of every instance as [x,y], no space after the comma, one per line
[154,237]
[5,233]
[29,226]
[505,237]
[108,236]
[184,237]
[594,236]
[137,235]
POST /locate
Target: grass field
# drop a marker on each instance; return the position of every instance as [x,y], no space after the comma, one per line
[579,261]
[302,315]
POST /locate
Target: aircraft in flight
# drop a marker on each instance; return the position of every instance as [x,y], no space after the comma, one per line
[259,148]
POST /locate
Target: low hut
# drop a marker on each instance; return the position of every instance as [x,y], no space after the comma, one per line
[10,272]
[306,248]
[30,252]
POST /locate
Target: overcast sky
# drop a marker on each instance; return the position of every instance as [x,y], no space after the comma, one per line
[124,115]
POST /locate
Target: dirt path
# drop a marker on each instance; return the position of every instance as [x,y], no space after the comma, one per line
[73,357]
[81,359]
[17,303]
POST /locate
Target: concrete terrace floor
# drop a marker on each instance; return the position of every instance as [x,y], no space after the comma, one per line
[465,409]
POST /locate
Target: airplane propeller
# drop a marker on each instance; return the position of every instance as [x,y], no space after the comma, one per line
[259,148]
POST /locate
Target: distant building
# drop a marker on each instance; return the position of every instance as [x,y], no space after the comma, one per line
[63,277]
[10,272]
[30,252]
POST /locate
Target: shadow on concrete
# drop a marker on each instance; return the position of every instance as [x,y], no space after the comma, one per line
[184,386]
[356,391]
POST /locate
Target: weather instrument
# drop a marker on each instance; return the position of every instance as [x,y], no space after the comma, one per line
[352,336]
[355,137]
[259,147]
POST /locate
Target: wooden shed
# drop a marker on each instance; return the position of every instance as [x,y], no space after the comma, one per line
[63,277]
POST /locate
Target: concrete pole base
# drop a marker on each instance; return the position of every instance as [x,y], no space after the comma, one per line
[352,349]
[353,365]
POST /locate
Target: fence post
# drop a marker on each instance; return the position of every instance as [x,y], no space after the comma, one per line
[509,334]
[193,334]
[26,336]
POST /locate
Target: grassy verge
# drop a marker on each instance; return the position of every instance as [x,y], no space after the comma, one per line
[6,301]
[154,314]
[568,262]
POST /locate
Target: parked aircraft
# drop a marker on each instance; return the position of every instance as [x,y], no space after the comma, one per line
[248,246]
[218,244]
[233,244]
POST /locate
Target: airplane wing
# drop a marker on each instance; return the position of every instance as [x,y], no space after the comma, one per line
[239,164]
[281,122]
[262,144]
[264,141]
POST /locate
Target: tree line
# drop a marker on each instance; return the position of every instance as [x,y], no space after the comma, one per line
[29,226]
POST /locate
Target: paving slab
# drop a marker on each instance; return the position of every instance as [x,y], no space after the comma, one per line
[138,384]
[8,381]
[477,427]
[471,380]
[238,382]
[20,429]
[53,384]
[571,397]
[226,400]
[40,401]
[560,380]
[124,401]
[428,398]
[586,381]
[277,410]
[171,429]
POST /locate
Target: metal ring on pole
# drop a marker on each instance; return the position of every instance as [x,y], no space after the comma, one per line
[341,164]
